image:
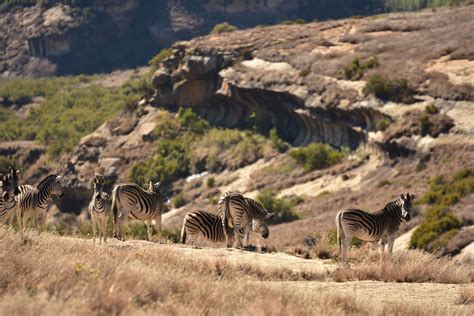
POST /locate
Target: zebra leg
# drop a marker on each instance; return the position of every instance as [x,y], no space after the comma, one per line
[346,241]
[382,249]
[94,224]
[104,229]
[238,238]
[149,229]
[391,241]
[158,227]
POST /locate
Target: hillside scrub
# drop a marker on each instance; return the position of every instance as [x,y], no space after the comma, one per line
[162,55]
[282,208]
[440,224]
[223,28]
[387,89]
[71,108]
[317,156]
[356,69]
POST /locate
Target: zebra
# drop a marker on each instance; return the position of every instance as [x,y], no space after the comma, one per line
[209,225]
[99,208]
[34,201]
[131,200]
[10,189]
[237,211]
[381,226]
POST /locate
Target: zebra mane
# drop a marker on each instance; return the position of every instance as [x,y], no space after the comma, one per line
[257,205]
[46,180]
[391,203]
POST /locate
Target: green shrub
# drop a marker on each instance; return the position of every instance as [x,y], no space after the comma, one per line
[282,208]
[292,22]
[223,28]
[173,236]
[356,69]
[305,72]
[431,109]
[179,200]
[277,142]
[384,183]
[211,182]
[440,224]
[317,156]
[162,55]
[384,124]
[384,88]
[246,54]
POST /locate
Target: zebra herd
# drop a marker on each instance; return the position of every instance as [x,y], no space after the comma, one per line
[238,215]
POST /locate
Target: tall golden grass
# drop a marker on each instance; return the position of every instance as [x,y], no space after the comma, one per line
[47,274]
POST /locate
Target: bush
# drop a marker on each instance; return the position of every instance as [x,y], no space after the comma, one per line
[305,72]
[223,28]
[282,208]
[293,22]
[179,200]
[397,90]
[384,124]
[246,54]
[431,109]
[317,156]
[356,69]
[277,143]
[211,182]
[162,55]
[440,224]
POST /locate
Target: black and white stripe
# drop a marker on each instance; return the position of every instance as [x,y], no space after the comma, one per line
[209,225]
[99,208]
[382,225]
[9,186]
[144,205]
[34,201]
[237,211]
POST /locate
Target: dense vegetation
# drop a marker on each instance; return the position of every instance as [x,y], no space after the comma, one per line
[388,89]
[356,69]
[317,156]
[68,108]
[440,224]
[282,208]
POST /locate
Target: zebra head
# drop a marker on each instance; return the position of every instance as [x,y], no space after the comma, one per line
[98,184]
[56,188]
[259,225]
[407,205]
[154,187]
[13,177]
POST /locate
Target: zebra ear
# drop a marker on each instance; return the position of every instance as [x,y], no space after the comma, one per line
[150,186]
[412,196]
[402,196]
[269,215]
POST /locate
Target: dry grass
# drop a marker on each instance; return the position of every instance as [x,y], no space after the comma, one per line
[465,296]
[46,274]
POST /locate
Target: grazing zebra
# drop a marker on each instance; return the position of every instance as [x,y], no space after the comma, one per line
[131,199]
[382,225]
[34,201]
[209,225]
[99,209]
[238,212]
[7,197]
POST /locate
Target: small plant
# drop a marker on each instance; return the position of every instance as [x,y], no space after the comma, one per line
[305,72]
[164,54]
[223,28]
[246,54]
[179,200]
[293,22]
[277,142]
[356,69]
[282,208]
[431,109]
[211,182]
[384,124]
[384,88]
[384,183]
[317,156]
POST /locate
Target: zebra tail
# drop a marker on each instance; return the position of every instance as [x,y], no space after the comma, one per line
[115,209]
[340,232]
[183,231]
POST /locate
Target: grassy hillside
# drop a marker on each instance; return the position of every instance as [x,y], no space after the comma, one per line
[45,274]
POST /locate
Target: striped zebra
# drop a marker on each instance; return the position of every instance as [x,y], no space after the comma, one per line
[382,225]
[129,199]
[206,224]
[10,189]
[237,211]
[34,201]
[99,208]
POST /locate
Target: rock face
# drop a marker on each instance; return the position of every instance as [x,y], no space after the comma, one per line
[293,78]
[103,35]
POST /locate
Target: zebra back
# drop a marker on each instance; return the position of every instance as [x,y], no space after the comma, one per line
[31,197]
[140,204]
